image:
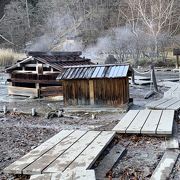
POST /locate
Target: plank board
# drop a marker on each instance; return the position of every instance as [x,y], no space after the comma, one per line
[168,103]
[41,177]
[19,165]
[91,153]
[172,103]
[175,106]
[78,174]
[22,91]
[137,124]
[126,121]
[153,104]
[166,122]
[62,162]
[165,166]
[108,162]
[84,175]
[42,162]
[152,122]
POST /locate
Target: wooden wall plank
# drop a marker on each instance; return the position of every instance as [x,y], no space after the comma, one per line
[22,91]
[91,91]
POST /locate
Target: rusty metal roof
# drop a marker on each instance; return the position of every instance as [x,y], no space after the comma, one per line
[56,60]
[94,72]
[59,63]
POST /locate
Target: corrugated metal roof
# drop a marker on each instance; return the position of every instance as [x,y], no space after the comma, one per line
[94,71]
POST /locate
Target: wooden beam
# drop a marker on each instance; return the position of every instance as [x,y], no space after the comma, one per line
[22,91]
[165,166]
[91,91]
[35,81]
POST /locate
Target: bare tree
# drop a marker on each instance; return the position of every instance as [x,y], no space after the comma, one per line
[154,17]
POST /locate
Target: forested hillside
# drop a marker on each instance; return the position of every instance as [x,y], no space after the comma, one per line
[127,28]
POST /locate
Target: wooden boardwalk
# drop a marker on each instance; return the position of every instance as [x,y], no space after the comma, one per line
[152,122]
[64,152]
[165,104]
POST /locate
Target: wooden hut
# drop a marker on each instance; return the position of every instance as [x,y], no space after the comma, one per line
[102,85]
[36,75]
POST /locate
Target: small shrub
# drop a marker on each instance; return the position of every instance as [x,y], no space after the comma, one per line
[8,57]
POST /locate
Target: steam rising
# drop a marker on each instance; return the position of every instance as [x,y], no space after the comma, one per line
[59,35]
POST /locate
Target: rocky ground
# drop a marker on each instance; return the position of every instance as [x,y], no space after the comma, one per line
[19,133]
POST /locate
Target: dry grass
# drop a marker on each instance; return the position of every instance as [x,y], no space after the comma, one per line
[9,56]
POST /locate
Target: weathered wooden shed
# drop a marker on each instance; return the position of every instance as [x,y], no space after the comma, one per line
[36,75]
[102,85]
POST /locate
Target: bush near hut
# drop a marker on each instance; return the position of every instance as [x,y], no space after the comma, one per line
[9,56]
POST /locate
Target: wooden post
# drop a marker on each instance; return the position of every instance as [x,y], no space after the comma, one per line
[91,92]
[132,78]
[177,61]
[153,78]
[14,109]
[52,70]
[38,89]
[33,112]
[5,109]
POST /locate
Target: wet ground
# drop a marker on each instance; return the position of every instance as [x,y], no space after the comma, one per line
[20,133]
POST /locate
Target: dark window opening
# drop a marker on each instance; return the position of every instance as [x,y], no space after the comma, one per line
[30,68]
[28,85]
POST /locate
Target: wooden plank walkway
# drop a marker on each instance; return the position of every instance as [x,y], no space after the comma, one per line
[79,174]
[152,122]
[63,152]
[165,104]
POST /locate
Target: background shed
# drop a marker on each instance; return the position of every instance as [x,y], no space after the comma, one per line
[96,85]
[36,75]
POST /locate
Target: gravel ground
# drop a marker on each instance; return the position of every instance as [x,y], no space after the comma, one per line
[20,133]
